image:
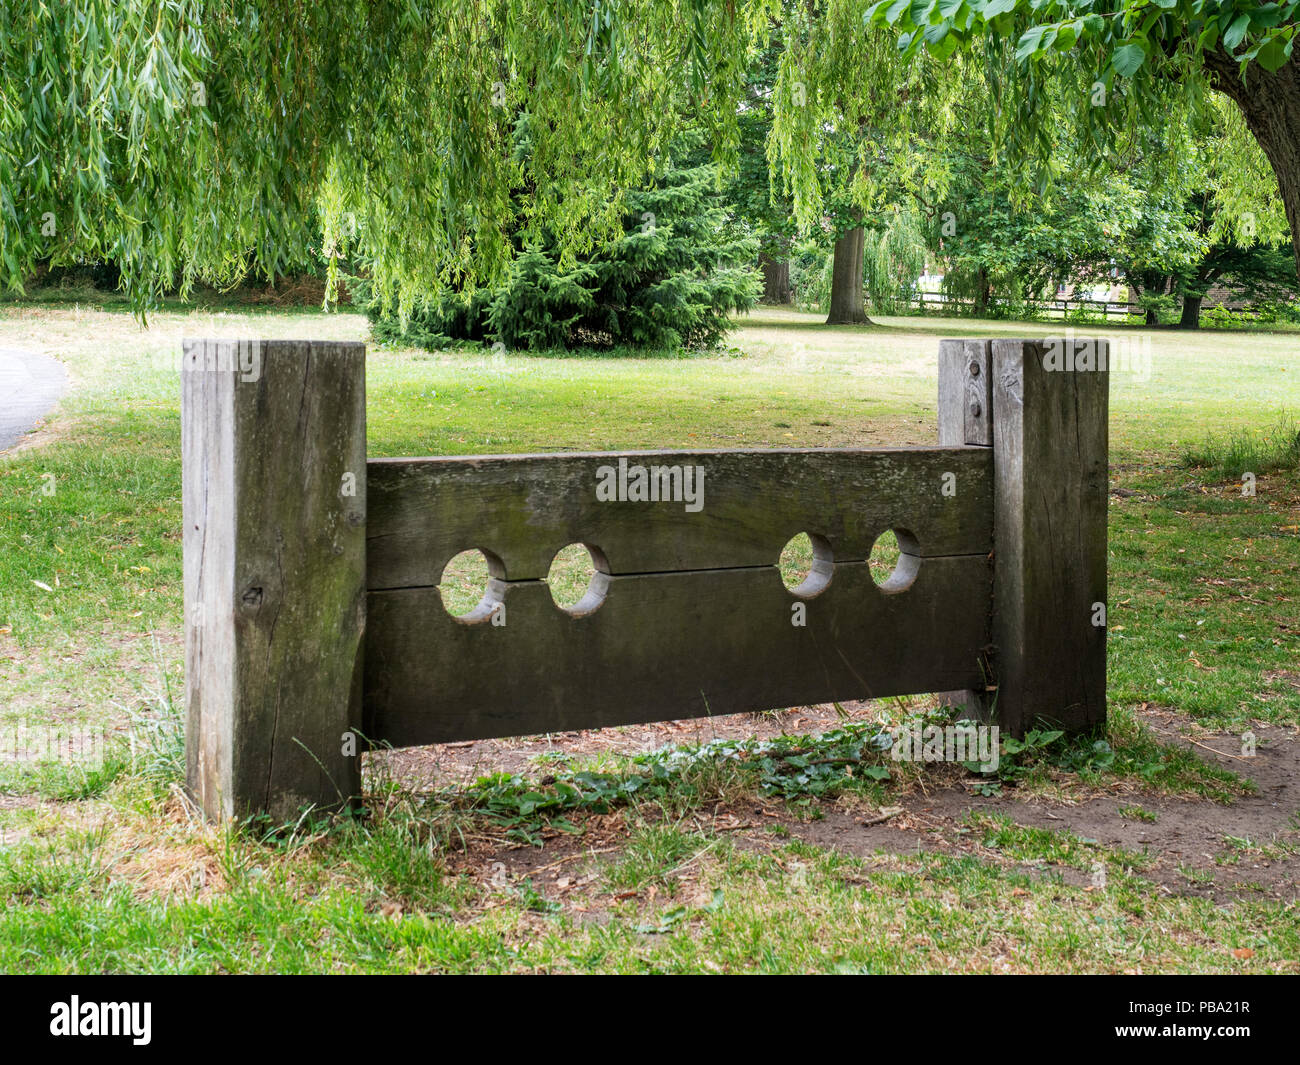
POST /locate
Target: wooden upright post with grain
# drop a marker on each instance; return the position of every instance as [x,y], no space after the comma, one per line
[1045,422]
[274,451]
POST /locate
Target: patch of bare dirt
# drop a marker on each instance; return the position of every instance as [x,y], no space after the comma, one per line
[1197,847]
[1250,848]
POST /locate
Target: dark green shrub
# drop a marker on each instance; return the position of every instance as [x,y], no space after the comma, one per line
[673,278]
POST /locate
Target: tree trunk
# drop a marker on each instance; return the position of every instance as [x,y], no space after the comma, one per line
[1191,318]
[1153,284]
[983,291]
[846,281]
[1270,104]
[776,279]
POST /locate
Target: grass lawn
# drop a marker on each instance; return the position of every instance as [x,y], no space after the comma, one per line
[107,870]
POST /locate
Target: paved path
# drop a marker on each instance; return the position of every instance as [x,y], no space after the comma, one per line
[30,385]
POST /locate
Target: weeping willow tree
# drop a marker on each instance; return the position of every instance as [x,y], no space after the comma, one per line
[196,140]
[894,256]
[191,140]
[853,124]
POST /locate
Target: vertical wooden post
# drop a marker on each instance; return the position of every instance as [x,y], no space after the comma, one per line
[965,419]
[965,393]
[274,470]
[1050,438]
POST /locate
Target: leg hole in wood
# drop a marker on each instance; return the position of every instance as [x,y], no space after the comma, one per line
[578,578]
[894,560]
[806,564]
[472,585]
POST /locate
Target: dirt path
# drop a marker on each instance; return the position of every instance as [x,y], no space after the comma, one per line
[30,385]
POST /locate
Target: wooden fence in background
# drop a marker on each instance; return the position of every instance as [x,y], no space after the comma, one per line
[315,626]
[1060,306]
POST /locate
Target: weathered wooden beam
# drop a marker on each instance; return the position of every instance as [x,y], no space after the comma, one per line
[525,508]
[965,410]
[1050,437]
[965,393]
[274,459]
[666,646]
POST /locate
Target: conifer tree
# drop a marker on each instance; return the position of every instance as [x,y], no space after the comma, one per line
[670,281]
